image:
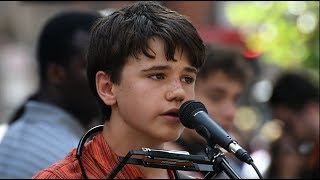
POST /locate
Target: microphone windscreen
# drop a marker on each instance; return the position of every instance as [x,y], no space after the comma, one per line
[187,110]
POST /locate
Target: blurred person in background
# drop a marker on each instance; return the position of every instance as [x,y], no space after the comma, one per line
[219,85]
[295,102]
[286,161]
[52,121]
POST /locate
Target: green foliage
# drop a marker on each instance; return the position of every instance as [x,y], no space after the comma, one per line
[272,27]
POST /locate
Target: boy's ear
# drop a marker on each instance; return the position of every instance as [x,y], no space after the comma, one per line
[56,74]
[104,88]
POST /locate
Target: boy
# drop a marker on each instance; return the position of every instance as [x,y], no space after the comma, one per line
[295,102]
[219,85]
[142,65]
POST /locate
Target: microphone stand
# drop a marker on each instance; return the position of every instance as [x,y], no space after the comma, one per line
[220,164]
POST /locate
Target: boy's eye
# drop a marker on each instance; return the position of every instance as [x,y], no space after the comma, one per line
[157,76]
[188,80]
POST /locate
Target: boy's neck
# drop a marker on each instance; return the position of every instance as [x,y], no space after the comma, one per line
[122,143]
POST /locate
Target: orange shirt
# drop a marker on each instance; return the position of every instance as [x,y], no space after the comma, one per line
[98,160]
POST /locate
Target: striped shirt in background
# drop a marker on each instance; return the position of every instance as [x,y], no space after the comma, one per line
[42,136]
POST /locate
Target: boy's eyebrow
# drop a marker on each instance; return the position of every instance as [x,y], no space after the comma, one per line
[191,70]
[188,69]
[156,68]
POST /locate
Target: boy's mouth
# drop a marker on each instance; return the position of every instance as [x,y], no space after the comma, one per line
[175,114]
[172,113]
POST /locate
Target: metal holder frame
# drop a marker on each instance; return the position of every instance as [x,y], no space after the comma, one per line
[214,163]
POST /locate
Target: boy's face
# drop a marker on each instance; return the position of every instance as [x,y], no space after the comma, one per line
[219,93]
[150,94]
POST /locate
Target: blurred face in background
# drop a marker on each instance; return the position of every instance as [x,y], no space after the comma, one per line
[302,124]
[219,93]
[78,98]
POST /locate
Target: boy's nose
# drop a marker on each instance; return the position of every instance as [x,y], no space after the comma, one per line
[176,92]
[228,111]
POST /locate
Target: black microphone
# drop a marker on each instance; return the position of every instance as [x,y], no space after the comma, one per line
[194,115]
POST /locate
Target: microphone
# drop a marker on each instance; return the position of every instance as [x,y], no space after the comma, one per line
[194,115]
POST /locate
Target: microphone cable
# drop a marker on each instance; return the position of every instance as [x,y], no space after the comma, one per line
[82,141]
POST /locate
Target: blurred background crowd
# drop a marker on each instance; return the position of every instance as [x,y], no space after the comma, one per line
[274,37]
